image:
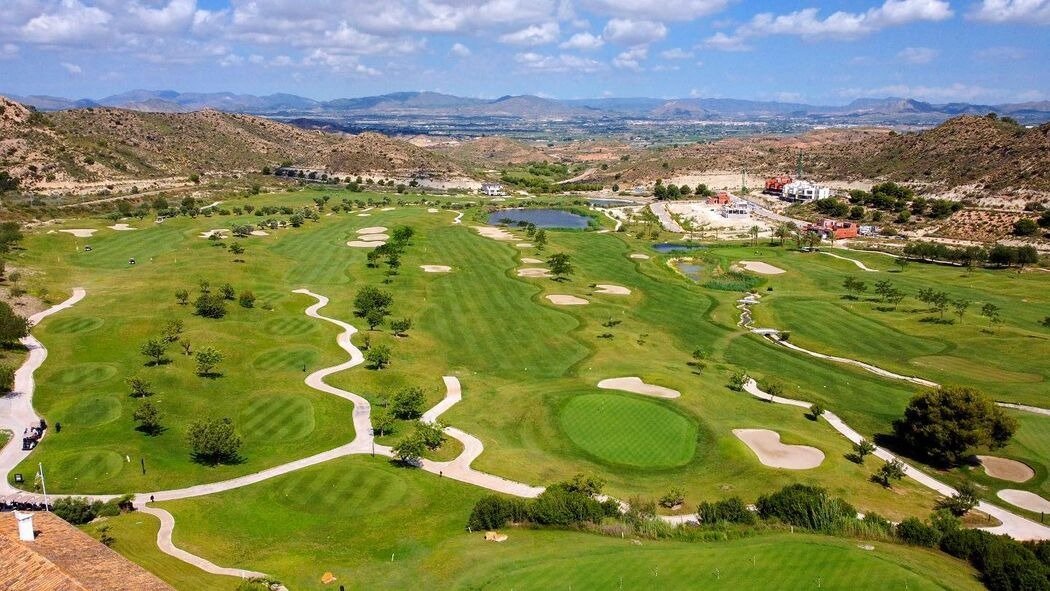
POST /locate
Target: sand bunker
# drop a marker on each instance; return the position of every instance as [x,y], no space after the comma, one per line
[259,233]
[216,232]
[771,452]
[761,268]
[635,385]
[363,215]
[372,230]
[640,256]
[363,244]
[374,237]
[1005,469]
[388,209]
[612,289]
[435,268]
[529,261]
[534,272]
[432,210]
[121,227]
[494,233]
[524,245]
[80,232]
[567,300]
[1025,500]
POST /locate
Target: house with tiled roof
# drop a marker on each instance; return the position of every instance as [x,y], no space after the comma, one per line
[60,557]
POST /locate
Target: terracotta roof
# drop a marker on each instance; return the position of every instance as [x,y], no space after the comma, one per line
[63,558]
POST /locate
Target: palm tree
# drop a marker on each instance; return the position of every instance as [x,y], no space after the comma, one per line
[784,231]
[754,235]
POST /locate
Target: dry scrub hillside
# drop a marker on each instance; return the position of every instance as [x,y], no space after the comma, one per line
[92,145]
[487,152]
[973,153]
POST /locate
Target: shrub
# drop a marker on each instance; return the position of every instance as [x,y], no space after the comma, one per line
[563,507]
[494,512]
[806,506]
[247,299]
[917,533]
[210,305]
[213,441]
[7,378]
[731,510]
[948,424]
[672,498]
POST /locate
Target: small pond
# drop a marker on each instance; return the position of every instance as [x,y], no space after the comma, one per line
[611,202]
[690,269]
[666,247]
[542,218]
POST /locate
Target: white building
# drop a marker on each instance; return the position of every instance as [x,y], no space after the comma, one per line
[804,191]
[492,189]
[736,210]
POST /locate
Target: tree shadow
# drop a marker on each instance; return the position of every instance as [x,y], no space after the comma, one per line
[158,362]
[151,431]
[936,320]
[211,375]
[212,460]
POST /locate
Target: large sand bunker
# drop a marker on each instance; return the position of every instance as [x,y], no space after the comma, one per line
[80,232]
[1005,469]
[639,256]
[259,233]
[435,268]
[530,261]
[1025,500]
[566,300]
[216,232]
[121,227]
[374,237]
[771,452]
[494,233]
[432,210]
[612,289]
[635,385]
[363,244]
[761,268]
[372,230]
[534,272]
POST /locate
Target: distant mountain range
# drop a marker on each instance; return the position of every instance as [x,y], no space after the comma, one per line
[431,104]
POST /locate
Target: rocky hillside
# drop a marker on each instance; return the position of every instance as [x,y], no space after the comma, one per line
[967,154]
[103,144]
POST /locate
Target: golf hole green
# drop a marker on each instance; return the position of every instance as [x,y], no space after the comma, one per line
[74,325]
[91,410]
[629,431]
[84,374]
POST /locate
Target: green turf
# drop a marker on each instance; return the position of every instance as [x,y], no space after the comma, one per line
[629,431]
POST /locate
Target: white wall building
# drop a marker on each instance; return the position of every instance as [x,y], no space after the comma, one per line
[492,189]
[804,191]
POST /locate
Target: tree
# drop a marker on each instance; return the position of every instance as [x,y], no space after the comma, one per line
[382,422]
[815,410]
[949,424]
[431,434]
[895,297]
[854,286]
[172,330]
[247,299]
[960,307]
[375,318]
[227,292]
[753,233]
[378,357]
[10,234]
[401,327]
[410,450]
[890,471]
[140,388]
[236,248]
[213,441]
[901,262]
[210,305]
[154,350]
[148,417]
[862,449]
[991,312]
[402,234]
[12,326]
[371,298]
[559,265]
[7,378]
[1025,227]
[784,231]
[883,288]
[207,358]
[962,501]
[541,239]
[408,403]
[1026,255]
[7,182]
[182,296]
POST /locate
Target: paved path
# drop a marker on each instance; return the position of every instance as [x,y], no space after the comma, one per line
[167,525]
[859,264]
[459,218]
[1025,408]
[16,408]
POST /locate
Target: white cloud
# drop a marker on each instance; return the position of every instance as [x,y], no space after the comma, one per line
[676,53]
[69,23]
[347,64]
[631,59]
[459,50]
[176,15]
[672,10]
[723,42]
[72,69]
[1000,54]
[1016,11]
[957,92]
[808,24]
[533,35]
[347,39]
[917,55]
[583,41]
[632,32]
[8,50]
[559,63]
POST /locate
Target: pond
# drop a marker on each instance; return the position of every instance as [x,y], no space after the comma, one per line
[542,218]
[611,203]
[689,269]
[666,247]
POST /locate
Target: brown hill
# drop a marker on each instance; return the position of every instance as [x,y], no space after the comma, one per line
[975,153]
[102,144]
[485,152]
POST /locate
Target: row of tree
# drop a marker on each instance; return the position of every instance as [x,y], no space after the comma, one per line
[999,255]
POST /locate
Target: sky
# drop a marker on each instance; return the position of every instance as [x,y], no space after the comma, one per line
[818,52]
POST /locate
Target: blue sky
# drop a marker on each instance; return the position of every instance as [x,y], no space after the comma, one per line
[826,52]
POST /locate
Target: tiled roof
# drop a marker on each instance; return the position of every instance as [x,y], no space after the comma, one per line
[63,558]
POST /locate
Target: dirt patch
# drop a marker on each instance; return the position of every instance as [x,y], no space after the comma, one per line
[771,452]
[635,385]
[534,272]
[1025,500]
[612,289]
[121,227]
[435,268]
[566,300]
[1006,469]
[761,268]
[80,232]
[640,256]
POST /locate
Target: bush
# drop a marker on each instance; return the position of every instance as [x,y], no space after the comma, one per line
[408,403]
[7,378]
[917,533]
[247,299]
[213,441]
[672,498]
[949,424]
[731,510]
[806,506]
[210,305]
[78,510]
[563,507]
[494,512]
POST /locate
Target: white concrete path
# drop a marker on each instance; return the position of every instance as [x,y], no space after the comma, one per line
[859,264]
[1025,408]
[459,218]
[167,525]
